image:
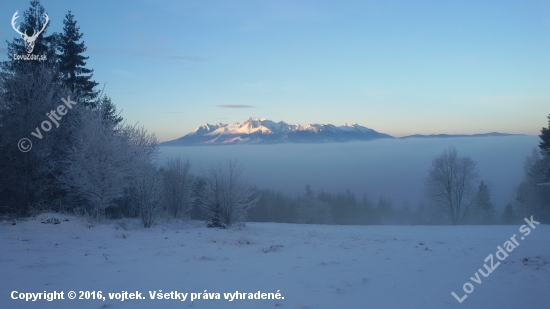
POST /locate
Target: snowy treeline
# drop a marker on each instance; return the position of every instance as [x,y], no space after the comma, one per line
[85,164]
[85,159]
[328,208]
[345,208]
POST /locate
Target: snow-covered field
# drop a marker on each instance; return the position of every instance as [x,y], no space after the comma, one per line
[312,266]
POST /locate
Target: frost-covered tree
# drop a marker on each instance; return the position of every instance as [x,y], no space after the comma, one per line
[107,162]
[178,185]
[143,185]
[226,193]
[141,146]
[26,97]
[97,163]
[450,184]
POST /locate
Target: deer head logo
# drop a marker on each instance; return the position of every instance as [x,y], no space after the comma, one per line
[29,40]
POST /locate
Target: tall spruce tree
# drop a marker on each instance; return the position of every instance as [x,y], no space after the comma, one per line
[509,216]
[33,21]
[72,63]
[544,144]
[484,206]
[109,109]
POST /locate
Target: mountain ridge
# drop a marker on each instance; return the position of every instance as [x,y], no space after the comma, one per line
[263,131]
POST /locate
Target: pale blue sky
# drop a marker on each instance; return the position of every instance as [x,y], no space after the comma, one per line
[399,67]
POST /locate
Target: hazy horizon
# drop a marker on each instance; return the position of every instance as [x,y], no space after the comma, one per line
[391,168]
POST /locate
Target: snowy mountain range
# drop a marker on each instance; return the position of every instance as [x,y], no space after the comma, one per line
[263,131]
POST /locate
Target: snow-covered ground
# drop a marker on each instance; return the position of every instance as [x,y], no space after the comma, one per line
[312,266]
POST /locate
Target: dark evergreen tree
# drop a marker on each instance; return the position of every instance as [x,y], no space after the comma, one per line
[386,214]
[72,63]
[216,221]
[34,20]
[26,180]
[483,205]
[545,150]
[545,138]
[403,215]
[265,209]
[533,193]
[509,216]
[312,210]
[109,110]
[366,211]
[197,212]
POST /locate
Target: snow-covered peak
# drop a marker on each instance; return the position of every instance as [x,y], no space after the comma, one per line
[354,127]
[207,128]
[249,126]
[261,130]
[254,125]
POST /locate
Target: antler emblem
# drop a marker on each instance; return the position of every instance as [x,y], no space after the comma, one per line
[29,40]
